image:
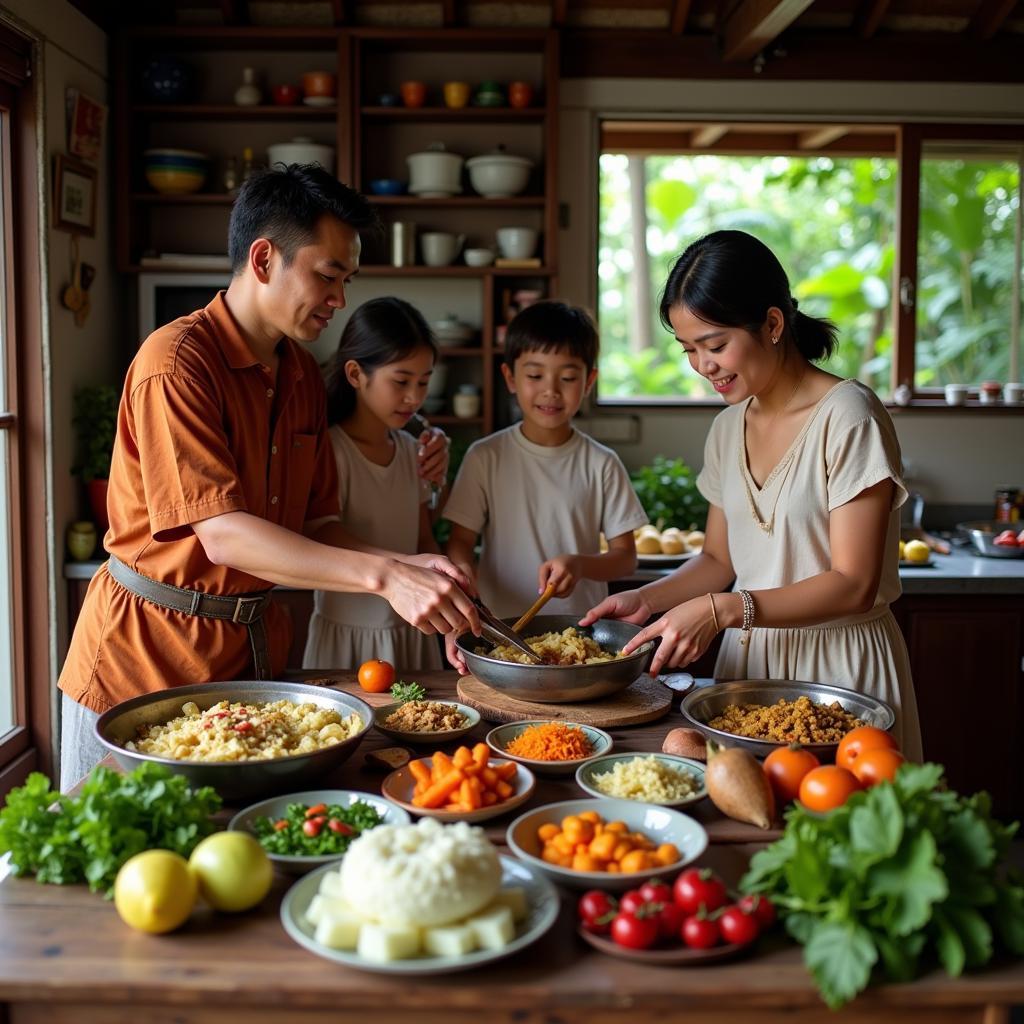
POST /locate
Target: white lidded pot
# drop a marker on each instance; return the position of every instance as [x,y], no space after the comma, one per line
[301,150]
[435,173]
[499,175]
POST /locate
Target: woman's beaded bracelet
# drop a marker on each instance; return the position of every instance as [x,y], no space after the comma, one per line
[748,616]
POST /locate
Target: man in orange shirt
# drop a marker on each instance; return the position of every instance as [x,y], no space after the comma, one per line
[223,482]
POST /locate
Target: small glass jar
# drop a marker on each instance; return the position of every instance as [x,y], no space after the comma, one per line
[1007,508]
[81,540]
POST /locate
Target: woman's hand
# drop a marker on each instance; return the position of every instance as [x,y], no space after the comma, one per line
[686,632]
[432,455]
[454,655]
[630,606]
[562,573]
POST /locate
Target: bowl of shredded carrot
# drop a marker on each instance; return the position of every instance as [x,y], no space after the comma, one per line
[549,748]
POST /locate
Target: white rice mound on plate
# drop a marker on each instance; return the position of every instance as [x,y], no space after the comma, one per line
[424,875]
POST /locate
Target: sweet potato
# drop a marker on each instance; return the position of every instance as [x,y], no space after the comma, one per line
[738,786]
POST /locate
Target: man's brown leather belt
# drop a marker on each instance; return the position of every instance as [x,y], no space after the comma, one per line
[245,609]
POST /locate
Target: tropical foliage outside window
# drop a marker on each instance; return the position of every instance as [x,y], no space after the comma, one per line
[831,221]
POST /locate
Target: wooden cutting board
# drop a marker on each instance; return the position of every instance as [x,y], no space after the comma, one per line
[644,701]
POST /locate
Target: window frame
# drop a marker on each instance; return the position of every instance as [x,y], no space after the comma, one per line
[911,137]
[28,746]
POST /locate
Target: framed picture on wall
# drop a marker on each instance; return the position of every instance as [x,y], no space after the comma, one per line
[86,118]
[74,196]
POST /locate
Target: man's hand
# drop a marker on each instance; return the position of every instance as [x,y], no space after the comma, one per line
[429,599]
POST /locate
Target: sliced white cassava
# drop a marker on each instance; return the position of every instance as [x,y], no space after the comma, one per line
[339,930]
[330,884]
[384,943]
[515,899]
[449,940]
[322,905]
[493,928]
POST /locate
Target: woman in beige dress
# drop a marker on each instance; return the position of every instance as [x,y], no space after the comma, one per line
[802,474]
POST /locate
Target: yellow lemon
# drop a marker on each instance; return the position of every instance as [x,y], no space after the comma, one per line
[234,871]
[903,551]
[916,551]
[154,891]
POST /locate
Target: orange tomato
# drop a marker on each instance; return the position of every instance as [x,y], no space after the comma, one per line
[826,787]
[855,742]
[376,676]
[875,765]
[786,768]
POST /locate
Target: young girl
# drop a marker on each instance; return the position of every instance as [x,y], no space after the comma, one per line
[376,381]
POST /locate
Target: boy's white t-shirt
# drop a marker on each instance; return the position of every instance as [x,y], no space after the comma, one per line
[532,503]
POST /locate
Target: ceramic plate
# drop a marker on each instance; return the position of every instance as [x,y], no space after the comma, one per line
[277,806]
[498,739]
[398,788]
[542,911]
[677,956]
[434,738]
[663,560]
[585,775]
[905,564]
[319,101]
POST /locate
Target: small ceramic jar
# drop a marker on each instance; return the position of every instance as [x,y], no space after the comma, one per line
[248,93]
[456,94]
[1013,394]
[520,94]
[81,539]
[466,405]
[990,392]
[956,394]
[414,94]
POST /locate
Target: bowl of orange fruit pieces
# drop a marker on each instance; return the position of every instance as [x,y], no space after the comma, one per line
[608,844]
[469,785]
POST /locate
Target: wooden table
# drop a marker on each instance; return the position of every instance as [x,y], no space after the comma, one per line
[65,956]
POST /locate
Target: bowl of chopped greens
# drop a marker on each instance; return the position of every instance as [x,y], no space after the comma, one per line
[301,831]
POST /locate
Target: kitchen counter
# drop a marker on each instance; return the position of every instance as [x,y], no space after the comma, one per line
[65,957]
[957,573]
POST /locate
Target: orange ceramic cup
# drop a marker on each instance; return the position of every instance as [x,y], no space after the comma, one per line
[456,94]
[318,83]
[414,94]
[520,94]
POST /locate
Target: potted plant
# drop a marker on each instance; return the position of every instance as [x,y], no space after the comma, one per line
[95,422]
[667,489]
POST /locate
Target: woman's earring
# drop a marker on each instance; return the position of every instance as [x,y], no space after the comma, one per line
[775,340]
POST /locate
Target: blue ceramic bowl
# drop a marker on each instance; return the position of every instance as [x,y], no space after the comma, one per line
[387,187]
[389,99]
[167,79]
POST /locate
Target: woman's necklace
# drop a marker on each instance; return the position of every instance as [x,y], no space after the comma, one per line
[766,526]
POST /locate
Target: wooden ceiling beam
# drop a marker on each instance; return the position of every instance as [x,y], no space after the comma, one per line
[708,135]
[680,12]
[989,18]
[756,23]
[819,138]
[869,16]
[559,12]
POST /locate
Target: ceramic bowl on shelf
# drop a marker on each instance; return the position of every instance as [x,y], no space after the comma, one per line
[167,79]
[499,175]
[478,257]
[387,187]
[389,99]
[301,150]
[450,332]
[175,171]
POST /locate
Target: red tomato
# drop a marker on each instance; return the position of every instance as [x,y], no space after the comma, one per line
[738,926]
[634,932]
[670,920]
[1020,539]
[827,787]
[630,902]
[698,888]
[786,768]
[875,765]
[656,891]
[376,676]
[340,827]
[596,910]
[1006,539]
[761,907]
[856,741]
[700,932]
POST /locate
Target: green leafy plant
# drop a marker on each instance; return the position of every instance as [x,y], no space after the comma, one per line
[667,489]
[406,692]
[65,840]
[903,873]
[95,421]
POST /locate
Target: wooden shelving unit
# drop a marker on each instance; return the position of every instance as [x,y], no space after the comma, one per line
[371,141]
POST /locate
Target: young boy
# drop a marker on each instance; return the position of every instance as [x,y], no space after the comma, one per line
[539,491]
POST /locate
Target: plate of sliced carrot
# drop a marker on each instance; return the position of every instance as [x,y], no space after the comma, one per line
[469,785]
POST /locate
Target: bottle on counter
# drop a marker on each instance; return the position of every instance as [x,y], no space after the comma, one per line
[1008,505]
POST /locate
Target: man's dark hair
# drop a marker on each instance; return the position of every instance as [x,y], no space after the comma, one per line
[552,327]
[285,204]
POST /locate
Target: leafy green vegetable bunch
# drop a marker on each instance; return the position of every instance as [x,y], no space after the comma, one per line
[902,874]
[88,837]
[667,489]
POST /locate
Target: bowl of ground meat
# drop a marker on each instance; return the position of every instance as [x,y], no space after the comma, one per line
[763,714]
[246,739]
[425,721]
[579,663]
